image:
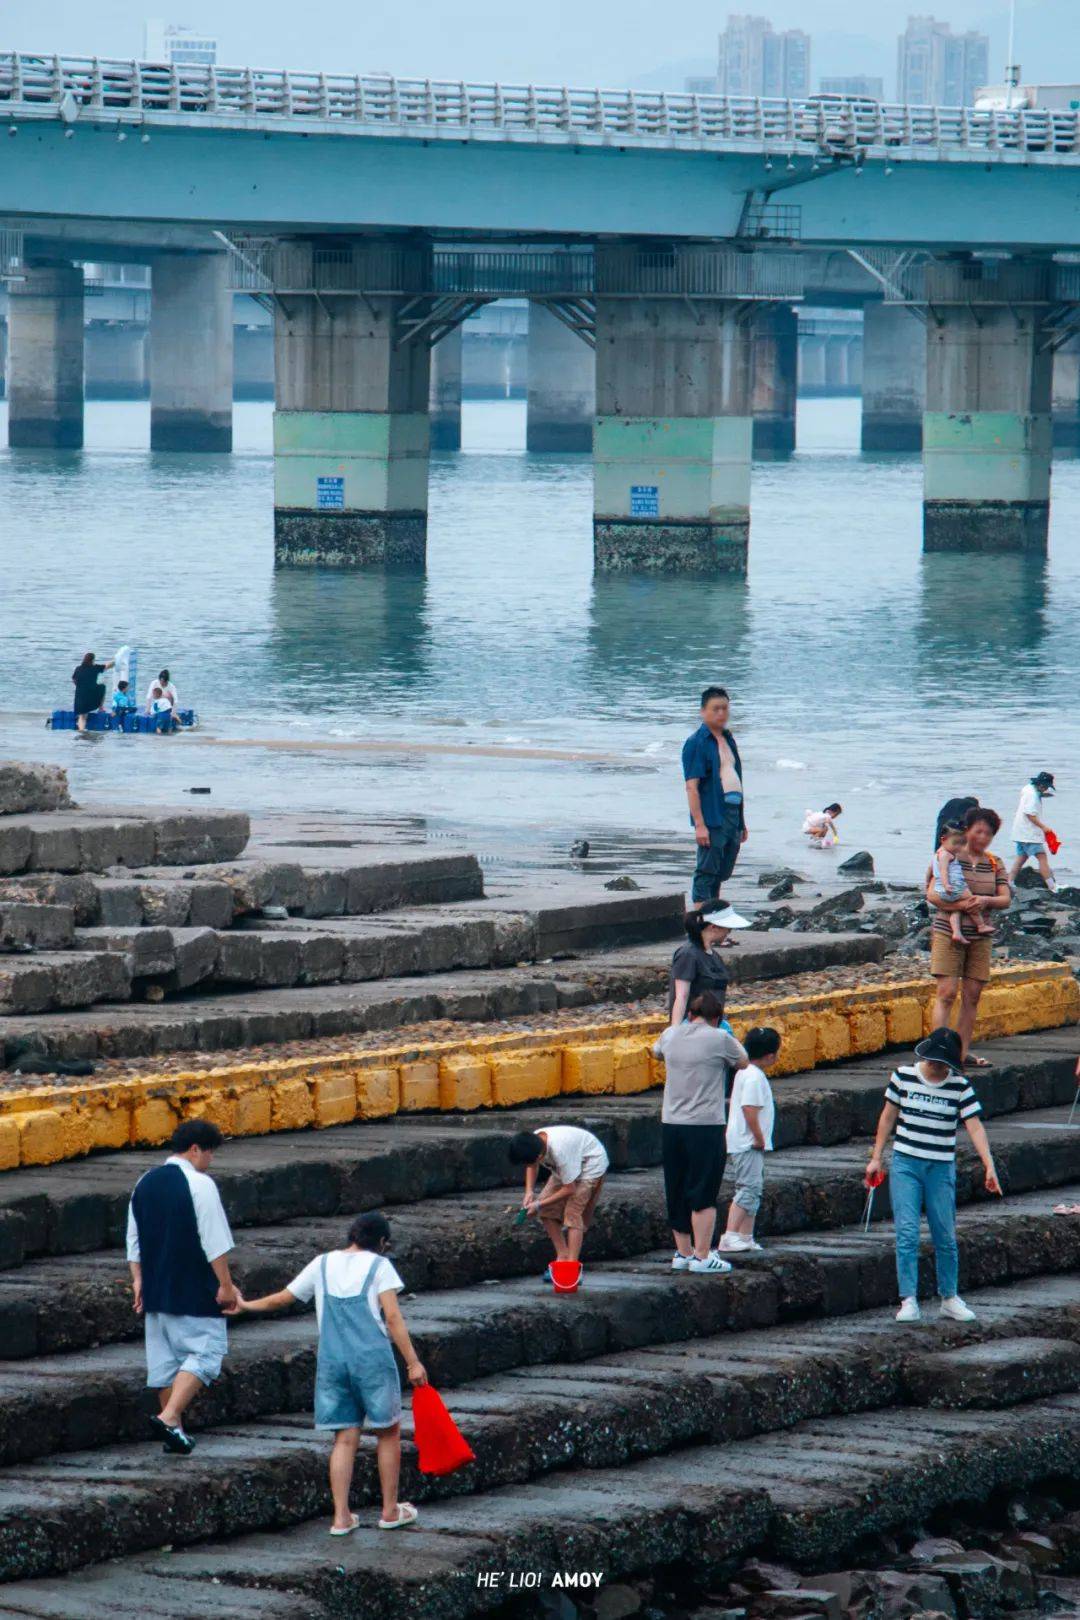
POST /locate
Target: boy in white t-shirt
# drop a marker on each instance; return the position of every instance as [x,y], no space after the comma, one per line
[751,1117]
[1029,829]
[578,1164]
[355,1291]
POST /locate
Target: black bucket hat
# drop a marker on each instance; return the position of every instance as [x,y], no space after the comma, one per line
[1044,782]
[942,1046]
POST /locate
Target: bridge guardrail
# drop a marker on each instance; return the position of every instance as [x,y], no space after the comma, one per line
[102,87]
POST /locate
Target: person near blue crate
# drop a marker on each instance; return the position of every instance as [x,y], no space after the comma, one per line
[167,690]
[925,1102]
[123,700]
[161,710]
[89,687]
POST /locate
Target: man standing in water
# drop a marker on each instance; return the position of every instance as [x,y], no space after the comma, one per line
[712,770]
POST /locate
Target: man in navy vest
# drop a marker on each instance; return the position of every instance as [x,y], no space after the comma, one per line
[177,1242]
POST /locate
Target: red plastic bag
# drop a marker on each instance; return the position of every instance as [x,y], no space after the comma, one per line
[1053,842]
[441,1444]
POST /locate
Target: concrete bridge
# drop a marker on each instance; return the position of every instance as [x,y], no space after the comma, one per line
[670,235]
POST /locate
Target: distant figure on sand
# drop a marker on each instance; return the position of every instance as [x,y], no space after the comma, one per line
[1030,830]
[89,687]
[712,771]
[820,826]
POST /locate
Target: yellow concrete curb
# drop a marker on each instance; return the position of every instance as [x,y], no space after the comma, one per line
[45,1124]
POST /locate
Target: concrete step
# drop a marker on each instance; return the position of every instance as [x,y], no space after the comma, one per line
[807,1495]
[60,1304]
[254,1017]
[27,927]
[80,1206]
[94,840]
[270,1472]
[45,980]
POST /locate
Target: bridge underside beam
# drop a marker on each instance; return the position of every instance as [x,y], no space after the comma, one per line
[673,438]
[987,426]
[191,353]
[45,358]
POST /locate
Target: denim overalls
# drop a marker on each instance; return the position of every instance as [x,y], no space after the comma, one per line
[356,1377]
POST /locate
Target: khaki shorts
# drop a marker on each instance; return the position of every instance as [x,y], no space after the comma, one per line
[948,960]
[578,1202]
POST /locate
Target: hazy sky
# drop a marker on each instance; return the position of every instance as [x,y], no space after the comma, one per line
[611,42]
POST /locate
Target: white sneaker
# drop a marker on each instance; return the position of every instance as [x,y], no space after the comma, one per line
[954,1310]
[712,1262]
[909,1310]
[734,1243]
[680,1262]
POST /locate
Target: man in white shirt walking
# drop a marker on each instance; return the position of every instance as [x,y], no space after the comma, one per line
[1030,830]
[178,1240]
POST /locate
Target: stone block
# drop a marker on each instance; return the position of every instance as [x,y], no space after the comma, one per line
[41,1136]
[521,1076]
[364,959]
[321,959]
[591,1068]
[153,1121]
[333,1099]
[631,1065]
[219,1107]
[43,927]
[110,1124]
[191,839]
[324,892]
[464,1082]
[167,905]
[904,1021]
[196,957]
[9,1142]
[53,848]
[1003,1372]
[211,905]
[76,1132]
[832,1036]
[16,843]
[253,1112]
[291,1107]
[239,957]
[377,1092]
[868,1030]
[27,788]
[419,1083]
[149,950]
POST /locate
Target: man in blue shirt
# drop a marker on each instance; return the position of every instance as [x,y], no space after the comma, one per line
[712,770]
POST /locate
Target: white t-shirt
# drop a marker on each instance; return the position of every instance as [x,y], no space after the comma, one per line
[168,691]
[1025,831]
[345,1273]
[752,1090]
[573,1154]
[210,1217]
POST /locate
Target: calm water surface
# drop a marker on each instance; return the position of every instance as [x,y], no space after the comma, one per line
[860,669]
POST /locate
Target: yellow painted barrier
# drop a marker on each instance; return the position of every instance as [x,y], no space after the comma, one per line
[46,1124]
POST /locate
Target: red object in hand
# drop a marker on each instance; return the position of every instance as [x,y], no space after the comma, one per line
[441,1444]
[1053,842]
[874,1180]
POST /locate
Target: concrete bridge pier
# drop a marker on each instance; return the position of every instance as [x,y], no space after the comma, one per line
[45,358]
[893,378]
[987,429]
[191,353]
[561,397]
[115,361]
[775,380]
[444,399]
[351,431]
[674,429]
[1065,409]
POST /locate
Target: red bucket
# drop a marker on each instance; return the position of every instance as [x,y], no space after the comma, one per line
[565,1275]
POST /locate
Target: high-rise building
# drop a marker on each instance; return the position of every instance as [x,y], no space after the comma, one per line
[937,68]
[852,84]
[176,42]
[756,61]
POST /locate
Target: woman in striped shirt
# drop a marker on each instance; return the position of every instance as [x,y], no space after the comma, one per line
[925,1102]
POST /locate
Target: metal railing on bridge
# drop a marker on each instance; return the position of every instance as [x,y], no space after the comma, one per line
[104,89]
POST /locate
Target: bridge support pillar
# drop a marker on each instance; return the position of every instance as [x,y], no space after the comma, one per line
[445,392]
[115,361]
[776,357]
[674,428]
[45,358]
[1066,397]
[987,430]
[561,398]
[191,353]
[894,378]
[351,430]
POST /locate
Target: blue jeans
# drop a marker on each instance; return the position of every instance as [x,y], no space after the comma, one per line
[915,1185]
[716,860]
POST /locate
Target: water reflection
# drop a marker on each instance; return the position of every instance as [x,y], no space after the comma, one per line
[345,638]
[975,614]
[649,638]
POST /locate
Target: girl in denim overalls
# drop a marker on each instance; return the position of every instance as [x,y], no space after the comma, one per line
[356,1381]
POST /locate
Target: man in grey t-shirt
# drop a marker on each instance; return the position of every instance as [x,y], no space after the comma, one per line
[697,1056]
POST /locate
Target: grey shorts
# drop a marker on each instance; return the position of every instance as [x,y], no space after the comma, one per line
[749,1170]
[194,1344]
